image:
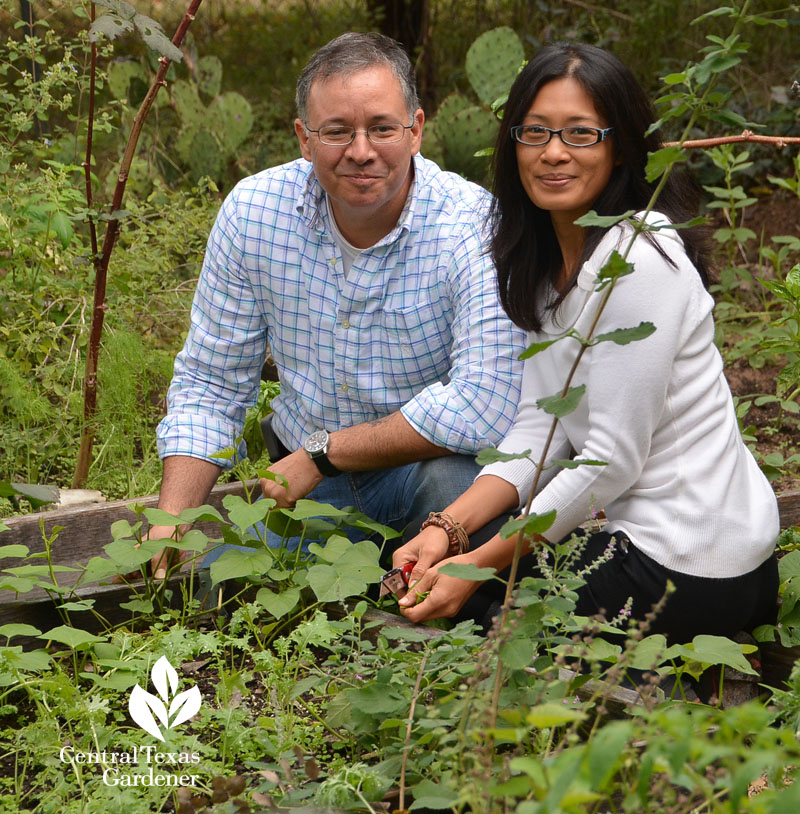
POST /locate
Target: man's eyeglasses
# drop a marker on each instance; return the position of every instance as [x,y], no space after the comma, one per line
[536,135]
[338,135]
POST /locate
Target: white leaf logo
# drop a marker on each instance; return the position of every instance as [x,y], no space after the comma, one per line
[145,708]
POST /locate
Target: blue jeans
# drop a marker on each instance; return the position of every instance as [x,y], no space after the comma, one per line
[400,497]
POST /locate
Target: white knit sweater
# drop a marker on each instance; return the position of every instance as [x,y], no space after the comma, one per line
[679,481]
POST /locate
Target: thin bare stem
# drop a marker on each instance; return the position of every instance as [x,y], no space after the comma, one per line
[745,135]
[409,727]
[101,269]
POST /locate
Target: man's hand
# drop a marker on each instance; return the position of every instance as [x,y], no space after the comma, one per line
[167,557]
[443,596]
[430,546]
[297,476]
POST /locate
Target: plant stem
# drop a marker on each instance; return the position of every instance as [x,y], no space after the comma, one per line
[409,727]
[101,269]
[745,135]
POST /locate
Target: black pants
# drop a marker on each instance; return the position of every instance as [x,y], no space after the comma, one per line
[720,607]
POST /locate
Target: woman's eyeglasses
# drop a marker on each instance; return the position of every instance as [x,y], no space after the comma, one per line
[537,135]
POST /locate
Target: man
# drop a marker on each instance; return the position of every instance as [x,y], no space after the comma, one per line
[362,265]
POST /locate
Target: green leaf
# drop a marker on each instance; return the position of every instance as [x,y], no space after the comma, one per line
[99,568]
[155,38]
[468,570]
[532,524]
[649,652]
[428,794]
[7,551]
[591,218]
[244,514]
[674,78]
[492,455]
[305,509]
[624,336]
[574,463]
[78,605]
[518,653]
[278,605]
[136,605]
[616,266]
[70,636]
[36,495]
[661,160]
[536,347]
[20,585]
[717,650]
[201,514]
[235,564]
[332,584]
[9,631]
[606,750]
[548,715]
[128,557]
[62,228]
[110,26]
[559,405]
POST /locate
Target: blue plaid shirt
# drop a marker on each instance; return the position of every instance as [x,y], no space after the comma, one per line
[416,326]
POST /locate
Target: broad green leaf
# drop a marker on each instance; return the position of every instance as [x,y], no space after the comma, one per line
[649,652]
[136,605]
[532,524]
[278,605]
[78,605]
[201,514]
[33,660]
[39,570]
[674,78]
[536,347]
[467,570]
[7,551]
[661,160]
[127,556]
[158,517]
[99,568]
[591,218]
[110,26]
[789,565]
[62,228]
[9,631]
[518,653]
[550,714]
[624,336]
[121,529]
[574,463]
[559,405]
[70,636]
[717,650]
[155,38]
[492,455]
[430,795]
[235,564]
[20,585]
[193,540]
[3,526]
[245,515]
[332,584]
[310,508]
[36,495]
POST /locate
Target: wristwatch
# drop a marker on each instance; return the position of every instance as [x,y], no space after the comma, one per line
[316,445]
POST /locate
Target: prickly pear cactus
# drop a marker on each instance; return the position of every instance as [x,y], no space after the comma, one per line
[209,76]
[492,64]
[463,128]
[461,135]
[231,118]
[205,156]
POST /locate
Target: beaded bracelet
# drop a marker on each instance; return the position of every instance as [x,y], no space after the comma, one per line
[458,537]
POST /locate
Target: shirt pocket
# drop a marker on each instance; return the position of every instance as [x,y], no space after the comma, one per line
[416,342]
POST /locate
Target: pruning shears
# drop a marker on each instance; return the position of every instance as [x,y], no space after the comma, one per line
[395,581]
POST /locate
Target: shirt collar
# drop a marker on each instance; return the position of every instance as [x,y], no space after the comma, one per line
[311,210]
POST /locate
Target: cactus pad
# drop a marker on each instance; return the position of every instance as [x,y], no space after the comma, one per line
[493,61]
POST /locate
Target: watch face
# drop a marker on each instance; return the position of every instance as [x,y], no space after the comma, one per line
[316,442]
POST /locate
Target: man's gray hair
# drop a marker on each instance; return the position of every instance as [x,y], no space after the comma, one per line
[354,52]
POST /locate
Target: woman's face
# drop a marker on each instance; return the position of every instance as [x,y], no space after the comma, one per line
[564,180]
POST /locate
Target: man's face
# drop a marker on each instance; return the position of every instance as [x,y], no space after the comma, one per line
[366,183]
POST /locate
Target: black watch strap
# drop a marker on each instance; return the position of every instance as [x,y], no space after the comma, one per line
[324,465]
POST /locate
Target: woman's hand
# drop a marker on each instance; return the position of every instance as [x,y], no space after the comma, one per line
[445,595]
[430,546]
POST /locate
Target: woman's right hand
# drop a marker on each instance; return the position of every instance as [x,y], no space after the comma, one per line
[430,546]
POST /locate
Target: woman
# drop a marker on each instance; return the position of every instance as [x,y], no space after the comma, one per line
[684,498]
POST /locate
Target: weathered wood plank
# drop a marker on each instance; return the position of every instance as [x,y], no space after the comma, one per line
[86,528]
[789,508]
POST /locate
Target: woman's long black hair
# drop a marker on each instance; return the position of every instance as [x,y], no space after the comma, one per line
[524,246]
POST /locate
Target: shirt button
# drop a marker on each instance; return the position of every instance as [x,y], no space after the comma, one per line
[345,387]
[345,324]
